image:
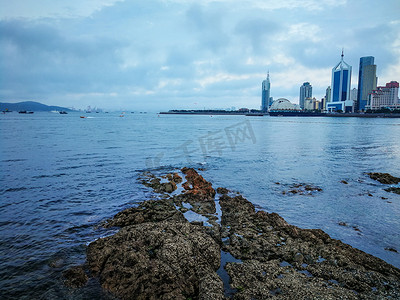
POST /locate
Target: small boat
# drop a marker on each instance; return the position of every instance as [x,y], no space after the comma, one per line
[63,112]
[82,117]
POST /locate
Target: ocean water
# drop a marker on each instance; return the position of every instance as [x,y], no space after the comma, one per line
[62,175]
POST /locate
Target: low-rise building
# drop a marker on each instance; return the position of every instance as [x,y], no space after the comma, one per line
[385,97]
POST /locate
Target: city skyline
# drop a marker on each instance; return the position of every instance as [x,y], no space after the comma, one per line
[168,54]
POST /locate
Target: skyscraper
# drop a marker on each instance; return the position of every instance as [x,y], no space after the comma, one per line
[327,97]
[341,82]
[367,81]
[265,93]
[305,92]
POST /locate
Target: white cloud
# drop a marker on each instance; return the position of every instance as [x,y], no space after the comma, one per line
[270,4]
[34,9]
[220,77]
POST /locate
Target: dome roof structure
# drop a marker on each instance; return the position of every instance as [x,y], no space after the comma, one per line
[283,104]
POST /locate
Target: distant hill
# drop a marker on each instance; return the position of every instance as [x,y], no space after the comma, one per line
[30,106]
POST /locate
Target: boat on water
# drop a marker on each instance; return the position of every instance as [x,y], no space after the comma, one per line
[63,112]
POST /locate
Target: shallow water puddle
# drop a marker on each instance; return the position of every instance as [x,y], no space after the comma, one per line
[226,257]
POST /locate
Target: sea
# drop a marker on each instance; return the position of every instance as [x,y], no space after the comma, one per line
[62,176]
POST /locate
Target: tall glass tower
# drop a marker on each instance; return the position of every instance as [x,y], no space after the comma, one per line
[341,83]
[367,81]
[305,92]
[265,93]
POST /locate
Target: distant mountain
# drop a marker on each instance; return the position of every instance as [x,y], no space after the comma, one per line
[30,106]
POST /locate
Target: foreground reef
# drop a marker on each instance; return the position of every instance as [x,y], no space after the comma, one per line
[196,242]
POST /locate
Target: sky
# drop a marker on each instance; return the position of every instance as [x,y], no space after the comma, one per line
[183,54]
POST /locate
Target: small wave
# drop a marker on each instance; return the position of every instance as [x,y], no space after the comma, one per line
[16,189]
[49,176]
[72,167]
[14,160]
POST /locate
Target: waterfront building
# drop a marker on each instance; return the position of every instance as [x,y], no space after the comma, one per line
[328,94]
[323,103]
[265,94]
[340,92]
[283,104]
[367,81]
[305,92]
[327,97]
[312,104]
[353,94]
[385,97]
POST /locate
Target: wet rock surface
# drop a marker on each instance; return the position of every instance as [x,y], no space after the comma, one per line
[75,277]
[395,190]
[384,178]
[302,189]
[161,253]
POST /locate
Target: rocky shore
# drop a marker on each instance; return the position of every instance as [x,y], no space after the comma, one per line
[196,242]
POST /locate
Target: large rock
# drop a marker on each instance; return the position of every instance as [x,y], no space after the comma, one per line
[290,262]
[164,260]
[158,254]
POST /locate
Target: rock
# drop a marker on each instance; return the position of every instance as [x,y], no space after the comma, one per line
[384,178]
[158,254]
[196,186]
[56,263]
[302,189]
[164,260]
[222,191]
[176,178]
[169,187]
[391,249]
[147,211]
[395,190]
[273,253]
[75,277]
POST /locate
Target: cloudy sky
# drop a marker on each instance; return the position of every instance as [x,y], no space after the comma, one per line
[166,54]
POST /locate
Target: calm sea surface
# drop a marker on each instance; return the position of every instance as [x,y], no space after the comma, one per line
[61,176]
